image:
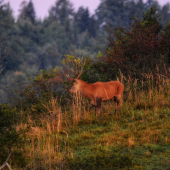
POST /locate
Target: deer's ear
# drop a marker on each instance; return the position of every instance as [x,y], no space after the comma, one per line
[76,80]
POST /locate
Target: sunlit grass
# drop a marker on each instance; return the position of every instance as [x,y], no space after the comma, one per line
[139,132]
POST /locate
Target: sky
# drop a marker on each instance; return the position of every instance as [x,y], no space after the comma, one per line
[42,6]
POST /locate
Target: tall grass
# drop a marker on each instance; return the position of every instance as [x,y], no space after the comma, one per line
[55,115]
[143,120]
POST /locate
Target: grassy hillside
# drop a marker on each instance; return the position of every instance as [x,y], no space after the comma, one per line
[138,137]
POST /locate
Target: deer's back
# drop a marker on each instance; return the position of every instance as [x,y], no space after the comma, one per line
[107,90]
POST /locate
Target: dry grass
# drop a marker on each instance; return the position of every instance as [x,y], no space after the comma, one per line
[143,119]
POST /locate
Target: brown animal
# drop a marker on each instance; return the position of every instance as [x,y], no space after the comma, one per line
[99,92]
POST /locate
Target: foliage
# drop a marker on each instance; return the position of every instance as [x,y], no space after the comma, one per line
[123,10]
[27,12]
[137,50]
[165,41]
[10,138]
[3,55]
[60,129]
[69,137]
[62,11]
[34,44]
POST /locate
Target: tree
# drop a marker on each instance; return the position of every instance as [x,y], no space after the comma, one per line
[62,10]
[93,26]
[27,11]
[149,3]
[118,13]
[2,58]
[111,11]
[6,21]
[166,41]
[82,19]
[165,12]
[7,32]
[140,9]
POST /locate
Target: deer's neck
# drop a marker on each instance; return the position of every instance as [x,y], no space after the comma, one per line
[87,90]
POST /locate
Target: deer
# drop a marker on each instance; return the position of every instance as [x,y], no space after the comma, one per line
[98,92]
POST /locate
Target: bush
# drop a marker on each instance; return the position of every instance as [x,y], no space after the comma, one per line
[138,49]
[9,137]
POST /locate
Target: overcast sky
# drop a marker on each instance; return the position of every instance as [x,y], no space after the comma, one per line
[42,6]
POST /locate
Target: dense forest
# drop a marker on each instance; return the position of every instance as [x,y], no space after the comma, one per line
[29,44]
[43,126]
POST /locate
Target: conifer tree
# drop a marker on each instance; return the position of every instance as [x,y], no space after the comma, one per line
[82,18]
[27,11]
[62,10]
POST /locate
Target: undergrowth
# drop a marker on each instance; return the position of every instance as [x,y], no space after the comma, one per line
[69,137]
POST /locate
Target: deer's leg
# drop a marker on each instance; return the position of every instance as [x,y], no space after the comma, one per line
[97,104]
[94,103]
[96,111]
[98,101]
[118,106]
[118,102]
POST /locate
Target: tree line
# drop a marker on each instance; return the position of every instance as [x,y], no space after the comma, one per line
[138,55]
[32,44]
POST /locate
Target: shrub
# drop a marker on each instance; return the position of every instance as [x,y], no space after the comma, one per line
[138,49]
[9,137]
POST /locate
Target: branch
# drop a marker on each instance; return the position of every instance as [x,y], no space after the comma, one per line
[74,72]
[81,70]
[6,163]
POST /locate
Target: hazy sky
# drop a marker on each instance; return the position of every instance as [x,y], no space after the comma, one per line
[42,6]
